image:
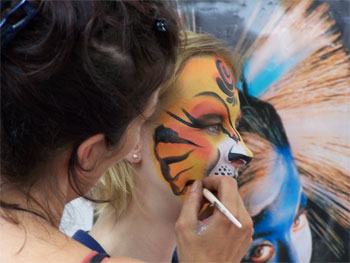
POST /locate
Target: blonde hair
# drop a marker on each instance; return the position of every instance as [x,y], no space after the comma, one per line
[117,184]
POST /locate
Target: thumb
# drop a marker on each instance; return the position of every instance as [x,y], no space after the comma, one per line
[192,204]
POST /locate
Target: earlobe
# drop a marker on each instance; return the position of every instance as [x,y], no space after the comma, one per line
[91,150]
[134,157]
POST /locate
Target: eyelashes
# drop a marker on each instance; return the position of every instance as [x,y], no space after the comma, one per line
[193,122]
[213,128]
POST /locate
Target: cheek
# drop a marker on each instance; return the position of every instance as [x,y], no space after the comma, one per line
[202,155]
[196,157]
[302,241]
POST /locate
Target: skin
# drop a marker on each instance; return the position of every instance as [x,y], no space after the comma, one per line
[44,242]
[284,236]
[197,134]
[165,214]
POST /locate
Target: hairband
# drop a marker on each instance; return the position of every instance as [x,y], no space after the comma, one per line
[8,30]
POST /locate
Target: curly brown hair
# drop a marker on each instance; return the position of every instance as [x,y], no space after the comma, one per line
[79,68]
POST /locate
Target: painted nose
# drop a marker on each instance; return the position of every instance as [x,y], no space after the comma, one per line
[239,160]
[239,155]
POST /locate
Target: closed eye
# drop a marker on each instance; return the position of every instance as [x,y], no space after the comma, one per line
[214,129]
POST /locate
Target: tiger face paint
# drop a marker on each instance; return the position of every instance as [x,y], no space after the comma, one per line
[196,135]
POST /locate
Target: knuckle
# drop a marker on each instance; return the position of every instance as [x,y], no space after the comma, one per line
[226,179]
[248,226]
[233,183]
[250,223]
[180,226]
[229,182]
[250,231]
[250,242]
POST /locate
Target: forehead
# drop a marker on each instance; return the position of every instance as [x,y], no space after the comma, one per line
[199,75]
[205,85]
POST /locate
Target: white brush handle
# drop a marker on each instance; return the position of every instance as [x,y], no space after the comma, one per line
[212,199]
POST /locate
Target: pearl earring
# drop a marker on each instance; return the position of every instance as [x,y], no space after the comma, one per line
[134,156]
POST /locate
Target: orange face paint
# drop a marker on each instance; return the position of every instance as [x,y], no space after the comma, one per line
[197,134]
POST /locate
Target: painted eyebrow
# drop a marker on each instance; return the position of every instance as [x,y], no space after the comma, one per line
[213,94]
[211,116]
[194,122]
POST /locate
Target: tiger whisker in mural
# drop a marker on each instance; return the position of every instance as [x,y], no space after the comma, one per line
[295,119]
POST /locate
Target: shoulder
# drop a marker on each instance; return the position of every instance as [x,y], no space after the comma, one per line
[97,257]
[37,243]
[21,245]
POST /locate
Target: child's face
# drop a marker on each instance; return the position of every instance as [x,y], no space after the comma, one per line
[196,135]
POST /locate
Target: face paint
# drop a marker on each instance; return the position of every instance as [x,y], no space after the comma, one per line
[196,134]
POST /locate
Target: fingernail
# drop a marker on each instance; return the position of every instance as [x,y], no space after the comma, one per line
[195,186]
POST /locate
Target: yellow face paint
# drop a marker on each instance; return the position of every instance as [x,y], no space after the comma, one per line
[196,135]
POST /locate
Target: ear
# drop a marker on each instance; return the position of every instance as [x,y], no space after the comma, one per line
[91,151]
[134,157]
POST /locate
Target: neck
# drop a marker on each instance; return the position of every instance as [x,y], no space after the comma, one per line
[44,199]
[39,205]
[137,233]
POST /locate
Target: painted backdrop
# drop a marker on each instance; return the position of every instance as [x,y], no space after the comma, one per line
[295,96]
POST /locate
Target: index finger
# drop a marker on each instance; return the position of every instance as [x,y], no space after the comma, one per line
[191,206]
[225,186]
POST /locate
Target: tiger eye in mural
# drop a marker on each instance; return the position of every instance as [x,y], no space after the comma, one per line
[197,134]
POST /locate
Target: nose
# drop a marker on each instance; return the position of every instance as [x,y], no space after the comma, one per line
[239,155]
[239,160]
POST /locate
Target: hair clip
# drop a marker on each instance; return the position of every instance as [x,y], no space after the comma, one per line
[160,24]
[8,30]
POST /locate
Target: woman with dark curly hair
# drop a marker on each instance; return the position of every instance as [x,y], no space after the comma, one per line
[78,81]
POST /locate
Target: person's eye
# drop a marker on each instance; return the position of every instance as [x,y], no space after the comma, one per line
[214,129]
[262,252]
[300,222]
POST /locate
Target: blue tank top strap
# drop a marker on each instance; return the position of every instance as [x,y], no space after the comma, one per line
[84,238]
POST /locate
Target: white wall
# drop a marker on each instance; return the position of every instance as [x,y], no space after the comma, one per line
[78,214]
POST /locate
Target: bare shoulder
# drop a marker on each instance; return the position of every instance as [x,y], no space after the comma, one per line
[38,244]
